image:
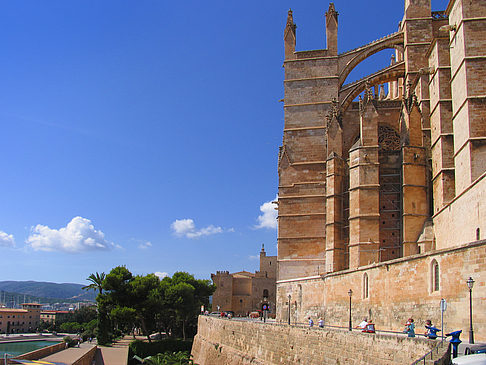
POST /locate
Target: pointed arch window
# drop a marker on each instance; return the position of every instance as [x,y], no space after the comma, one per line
[435,271]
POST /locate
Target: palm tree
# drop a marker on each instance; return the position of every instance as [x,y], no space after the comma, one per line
[96,282]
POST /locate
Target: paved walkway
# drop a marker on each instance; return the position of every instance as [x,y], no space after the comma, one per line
[105,355]
[70,355]
[114,355]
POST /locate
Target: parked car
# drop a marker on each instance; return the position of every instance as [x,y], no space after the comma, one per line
[215,314]
[475,349]
[476,359]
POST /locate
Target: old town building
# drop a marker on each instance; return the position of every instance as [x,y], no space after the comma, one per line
[244,292]
[382,181]
[27,319]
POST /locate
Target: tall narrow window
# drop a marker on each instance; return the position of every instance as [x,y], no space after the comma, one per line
[365,286]
[435,276]
[265,293]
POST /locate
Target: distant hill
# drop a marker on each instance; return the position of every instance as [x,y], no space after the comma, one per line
[48,290]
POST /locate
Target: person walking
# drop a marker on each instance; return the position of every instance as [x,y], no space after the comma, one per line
[311,322]
[321,323]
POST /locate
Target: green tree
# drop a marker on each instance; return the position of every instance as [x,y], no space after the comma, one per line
[184,296]
[124,318]
[145,301]
[149,301]
[103,330]
[71,327]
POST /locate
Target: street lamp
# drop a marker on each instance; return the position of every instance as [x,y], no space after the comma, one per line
[265,309]
[350,293]
[470,284]
[290,298]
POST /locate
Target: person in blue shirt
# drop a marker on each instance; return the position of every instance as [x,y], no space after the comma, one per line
[410,328]
[311,322]
[431,331]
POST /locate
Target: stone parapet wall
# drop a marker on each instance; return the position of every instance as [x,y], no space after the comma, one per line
[231,342]
[397,290]
[87,358]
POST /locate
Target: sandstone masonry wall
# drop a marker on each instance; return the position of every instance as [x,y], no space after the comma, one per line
[397,289]
[232,342]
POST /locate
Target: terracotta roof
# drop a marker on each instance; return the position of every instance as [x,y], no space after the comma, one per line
[243,274]
[14,310]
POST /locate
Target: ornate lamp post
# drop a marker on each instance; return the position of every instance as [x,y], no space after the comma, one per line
[350,293]
[265,309]
[290,298]
[470,284]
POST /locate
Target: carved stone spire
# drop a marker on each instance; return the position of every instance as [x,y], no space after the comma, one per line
[334,114]
[289,36]
[332,29]
[332,12]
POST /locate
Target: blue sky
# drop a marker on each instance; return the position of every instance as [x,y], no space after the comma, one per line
[145,133]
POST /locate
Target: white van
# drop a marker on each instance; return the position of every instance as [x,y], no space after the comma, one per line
[475,359]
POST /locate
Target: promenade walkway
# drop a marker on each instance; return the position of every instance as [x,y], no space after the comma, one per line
[114,355]
[117,354]
[70,355]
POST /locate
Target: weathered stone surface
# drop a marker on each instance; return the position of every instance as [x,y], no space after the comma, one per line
[222,341]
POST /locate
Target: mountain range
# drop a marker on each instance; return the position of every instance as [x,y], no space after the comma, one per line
[37,289]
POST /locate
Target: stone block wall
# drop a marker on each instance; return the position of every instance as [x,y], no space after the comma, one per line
[231,342]
[407,283]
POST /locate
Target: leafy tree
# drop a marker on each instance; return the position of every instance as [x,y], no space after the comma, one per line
[124,318]
[184,297]
[103,330]
[71,327]
[127,301]
[146,289]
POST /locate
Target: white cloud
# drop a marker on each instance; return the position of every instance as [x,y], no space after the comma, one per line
[78,235]
[187,228]
[6,240]
[254,257]
[268,218]
[145,245]
[161,275]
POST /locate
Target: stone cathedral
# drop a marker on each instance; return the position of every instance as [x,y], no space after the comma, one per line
[382,181]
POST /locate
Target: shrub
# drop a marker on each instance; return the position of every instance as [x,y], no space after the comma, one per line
[145,349]
[69,341]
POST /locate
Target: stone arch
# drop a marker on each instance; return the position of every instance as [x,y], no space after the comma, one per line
[353,58]
[388,74]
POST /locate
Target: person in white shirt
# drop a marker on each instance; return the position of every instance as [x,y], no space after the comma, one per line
[363,324]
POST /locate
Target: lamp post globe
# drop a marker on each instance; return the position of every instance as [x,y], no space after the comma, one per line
[470,284]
